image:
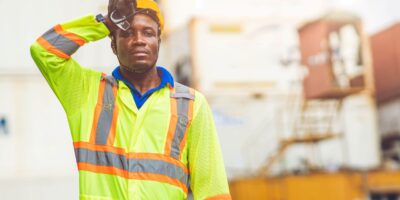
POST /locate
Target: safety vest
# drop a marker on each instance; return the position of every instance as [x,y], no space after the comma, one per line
[100,156]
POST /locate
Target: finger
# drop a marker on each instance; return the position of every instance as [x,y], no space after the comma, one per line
[120,4]
[123,6]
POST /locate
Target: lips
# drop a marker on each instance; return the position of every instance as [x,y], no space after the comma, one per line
[139,52]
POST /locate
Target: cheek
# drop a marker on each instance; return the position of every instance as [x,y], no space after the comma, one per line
[121,47]
[155,48]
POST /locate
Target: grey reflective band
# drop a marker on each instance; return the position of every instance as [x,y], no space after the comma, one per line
[60,42]
[107,110]
[181,94]
[109,159]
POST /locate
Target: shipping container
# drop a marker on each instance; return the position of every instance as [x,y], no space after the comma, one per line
[213,53]
[333,49]
[385,46]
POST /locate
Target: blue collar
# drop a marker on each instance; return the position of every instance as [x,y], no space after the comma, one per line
[140,99]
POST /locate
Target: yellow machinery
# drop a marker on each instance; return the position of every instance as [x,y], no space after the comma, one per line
[318,186]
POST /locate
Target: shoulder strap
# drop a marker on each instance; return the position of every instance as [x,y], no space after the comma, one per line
[182,91]
[182,98]
[106,113]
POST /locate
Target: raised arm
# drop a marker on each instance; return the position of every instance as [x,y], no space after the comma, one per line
[52,54]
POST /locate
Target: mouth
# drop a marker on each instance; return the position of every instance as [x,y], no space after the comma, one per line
[139,53]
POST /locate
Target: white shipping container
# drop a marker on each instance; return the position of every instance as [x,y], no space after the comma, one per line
[223,53]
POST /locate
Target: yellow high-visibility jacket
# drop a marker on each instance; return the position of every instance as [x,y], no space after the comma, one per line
[165,150]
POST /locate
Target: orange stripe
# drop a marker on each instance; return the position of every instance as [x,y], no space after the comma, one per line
[220,197]
[73,37]
[132,175]
[111,136]
[52,49]
[182,145]
[158,177]
[190,116]
[103,169]
[95,147]
[121,151]
[172,125]
[97,111]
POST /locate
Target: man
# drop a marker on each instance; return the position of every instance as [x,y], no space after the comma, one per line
[136,133]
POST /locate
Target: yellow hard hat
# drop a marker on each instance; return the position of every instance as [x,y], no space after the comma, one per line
[150,4]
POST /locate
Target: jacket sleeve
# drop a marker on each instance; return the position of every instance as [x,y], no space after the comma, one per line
[52,54]
[207,172]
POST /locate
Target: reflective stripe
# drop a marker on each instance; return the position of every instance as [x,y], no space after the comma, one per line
[56,38]
[181,125]
[118,150]
[50,48]
[101,158]
[130,166]
[184,102]
[97,109]
[132,175]
[172,124]
[107,111]
[183,95]
[190,114]
[73,37]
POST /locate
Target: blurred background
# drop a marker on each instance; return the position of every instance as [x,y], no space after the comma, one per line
[305,94]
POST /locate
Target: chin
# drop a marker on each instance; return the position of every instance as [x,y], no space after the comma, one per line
[138,67]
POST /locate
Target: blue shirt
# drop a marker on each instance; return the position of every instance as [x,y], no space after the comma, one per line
[140,99]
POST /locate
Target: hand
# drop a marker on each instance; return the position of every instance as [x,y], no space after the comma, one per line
[124,7]
[120,13]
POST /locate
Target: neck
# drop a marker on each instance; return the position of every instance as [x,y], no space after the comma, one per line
[142,81]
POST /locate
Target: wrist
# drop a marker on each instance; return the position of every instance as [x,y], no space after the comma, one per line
[107,22]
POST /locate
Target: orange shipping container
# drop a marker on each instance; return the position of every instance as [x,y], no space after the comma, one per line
[386,63]
[331,49]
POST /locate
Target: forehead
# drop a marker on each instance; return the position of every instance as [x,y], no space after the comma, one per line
[143,20]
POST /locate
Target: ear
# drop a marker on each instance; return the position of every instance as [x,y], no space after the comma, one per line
[114,46]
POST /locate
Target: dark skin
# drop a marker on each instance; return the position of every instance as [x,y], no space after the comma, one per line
[137,52]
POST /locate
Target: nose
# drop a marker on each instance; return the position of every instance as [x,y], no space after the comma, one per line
[137,39]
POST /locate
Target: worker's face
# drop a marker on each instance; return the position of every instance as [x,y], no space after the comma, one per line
[137,49]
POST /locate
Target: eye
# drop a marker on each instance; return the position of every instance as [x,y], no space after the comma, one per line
[149,33]
[127,33]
